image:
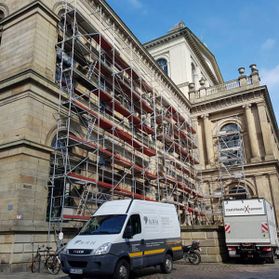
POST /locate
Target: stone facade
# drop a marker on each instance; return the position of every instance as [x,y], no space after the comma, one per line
[249,106]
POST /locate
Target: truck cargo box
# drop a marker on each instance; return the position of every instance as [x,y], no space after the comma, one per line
[250,221]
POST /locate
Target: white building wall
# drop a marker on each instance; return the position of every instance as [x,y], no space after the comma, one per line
[180,57]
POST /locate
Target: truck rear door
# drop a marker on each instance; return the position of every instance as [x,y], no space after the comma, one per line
[246,229]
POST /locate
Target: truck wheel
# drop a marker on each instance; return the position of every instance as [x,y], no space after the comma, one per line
[122,270]
[167,265]
[271,259]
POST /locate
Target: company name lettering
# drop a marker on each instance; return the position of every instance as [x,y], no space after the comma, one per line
[244,209]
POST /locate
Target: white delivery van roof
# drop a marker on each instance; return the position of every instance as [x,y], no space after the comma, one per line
[122,207]
[113,207]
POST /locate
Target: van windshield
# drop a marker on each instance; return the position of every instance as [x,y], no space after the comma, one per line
[106,224]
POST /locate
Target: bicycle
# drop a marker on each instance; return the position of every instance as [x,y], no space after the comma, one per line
[51,261]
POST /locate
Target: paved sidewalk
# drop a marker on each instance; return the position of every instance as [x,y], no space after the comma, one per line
[181,271]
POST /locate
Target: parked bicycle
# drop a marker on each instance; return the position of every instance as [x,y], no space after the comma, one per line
[192,253]
[50,260]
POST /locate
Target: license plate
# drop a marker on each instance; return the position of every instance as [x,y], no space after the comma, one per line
[76,271]
[232,253]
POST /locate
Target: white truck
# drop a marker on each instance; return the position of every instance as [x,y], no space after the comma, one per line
[124,235]
[250,229]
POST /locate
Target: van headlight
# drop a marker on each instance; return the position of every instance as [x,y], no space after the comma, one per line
[103,249]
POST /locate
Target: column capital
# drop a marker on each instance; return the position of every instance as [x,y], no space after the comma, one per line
[206,115]
[261,104]
[247,106]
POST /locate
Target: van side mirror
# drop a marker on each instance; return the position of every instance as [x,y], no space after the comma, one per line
[128,232]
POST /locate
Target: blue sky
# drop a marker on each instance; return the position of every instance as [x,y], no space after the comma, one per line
[239,32]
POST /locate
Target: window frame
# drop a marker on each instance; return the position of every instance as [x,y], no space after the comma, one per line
[165,66]
[129,223]
[228,142]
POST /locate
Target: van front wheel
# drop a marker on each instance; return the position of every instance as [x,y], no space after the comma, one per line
[122,270]
[167,265]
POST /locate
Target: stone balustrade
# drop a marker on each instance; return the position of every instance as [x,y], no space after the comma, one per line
[243,82]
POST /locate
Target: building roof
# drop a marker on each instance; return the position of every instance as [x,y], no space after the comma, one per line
[180,30]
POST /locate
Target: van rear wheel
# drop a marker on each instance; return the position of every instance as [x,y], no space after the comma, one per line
[122,270]
[167,265]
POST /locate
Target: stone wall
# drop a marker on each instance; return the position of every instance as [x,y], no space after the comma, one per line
[17,247]
[212,241]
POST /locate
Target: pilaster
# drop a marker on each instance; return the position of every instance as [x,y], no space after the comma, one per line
[201,141]
[208,140]
[274,186]
[252,134]
[266,132]
[28,42]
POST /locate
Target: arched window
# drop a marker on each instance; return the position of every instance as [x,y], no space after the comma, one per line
[2,15]
[238,192]
[230,145]
[163,63]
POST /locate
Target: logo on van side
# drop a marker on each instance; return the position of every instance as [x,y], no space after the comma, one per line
[150,221]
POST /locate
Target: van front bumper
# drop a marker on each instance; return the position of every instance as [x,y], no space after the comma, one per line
[89,264]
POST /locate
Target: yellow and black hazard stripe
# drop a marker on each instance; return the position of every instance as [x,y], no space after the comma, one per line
[176,248]
[153,252]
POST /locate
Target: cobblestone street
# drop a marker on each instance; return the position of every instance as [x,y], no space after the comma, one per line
[203,271]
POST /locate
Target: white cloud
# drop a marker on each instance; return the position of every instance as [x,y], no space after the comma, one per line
[268,44]
[136,4]
[270,77]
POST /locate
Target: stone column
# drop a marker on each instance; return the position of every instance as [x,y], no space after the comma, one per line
[201,141]
[266,132]
[262,184]
[208,140]
[274,187]
[252,134]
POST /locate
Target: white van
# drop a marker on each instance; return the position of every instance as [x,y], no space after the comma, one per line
[122,236]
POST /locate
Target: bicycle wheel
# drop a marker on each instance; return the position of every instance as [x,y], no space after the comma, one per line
[35,265]
[53,264]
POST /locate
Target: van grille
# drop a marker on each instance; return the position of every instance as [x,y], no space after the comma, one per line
[77,264]
[80,251]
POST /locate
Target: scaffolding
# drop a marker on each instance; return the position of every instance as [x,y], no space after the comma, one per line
[231,161]
[117,136]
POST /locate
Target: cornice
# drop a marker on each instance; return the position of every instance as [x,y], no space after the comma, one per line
[231,96]
[33,5]
[29,76]
[25,143]
[141,49]
[247,166]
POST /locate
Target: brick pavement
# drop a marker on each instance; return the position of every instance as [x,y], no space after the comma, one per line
[181,271]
